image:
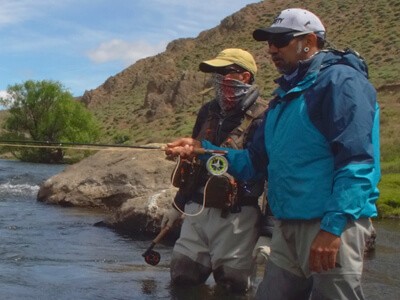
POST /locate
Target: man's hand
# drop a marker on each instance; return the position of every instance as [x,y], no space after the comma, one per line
[170,217]
[184,147]
[323,251]
[262,250]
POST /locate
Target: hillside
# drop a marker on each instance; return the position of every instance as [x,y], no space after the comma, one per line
[157,98]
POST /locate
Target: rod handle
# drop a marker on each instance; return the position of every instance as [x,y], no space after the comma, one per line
[161,235]
[200,151]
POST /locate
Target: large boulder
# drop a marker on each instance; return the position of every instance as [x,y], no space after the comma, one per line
[133,186]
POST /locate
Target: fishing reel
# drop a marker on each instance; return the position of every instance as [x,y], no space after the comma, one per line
[217,164]
[152,257]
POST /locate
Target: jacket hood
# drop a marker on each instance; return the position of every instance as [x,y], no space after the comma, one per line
[308,69]
[346,57]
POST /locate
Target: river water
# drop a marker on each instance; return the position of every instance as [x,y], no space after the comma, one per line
[52,252]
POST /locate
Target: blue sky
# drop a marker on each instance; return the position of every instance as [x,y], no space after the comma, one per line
[83,42]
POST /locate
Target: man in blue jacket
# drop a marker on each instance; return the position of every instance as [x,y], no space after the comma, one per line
[319,149]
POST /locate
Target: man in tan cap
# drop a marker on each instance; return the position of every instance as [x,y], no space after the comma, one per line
[221,224]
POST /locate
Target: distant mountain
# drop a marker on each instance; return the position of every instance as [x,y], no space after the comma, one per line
[157,98]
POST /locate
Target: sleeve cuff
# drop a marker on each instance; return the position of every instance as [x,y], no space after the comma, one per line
[206,145]
[334,223]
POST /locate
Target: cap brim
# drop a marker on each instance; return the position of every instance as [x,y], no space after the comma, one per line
[209,66]
[263,34]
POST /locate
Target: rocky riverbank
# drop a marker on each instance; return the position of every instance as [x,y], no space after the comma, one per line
[132,185]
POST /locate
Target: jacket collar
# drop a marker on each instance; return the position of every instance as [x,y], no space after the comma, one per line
[306,74]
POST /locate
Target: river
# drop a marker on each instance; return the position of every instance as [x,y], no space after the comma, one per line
[52,252]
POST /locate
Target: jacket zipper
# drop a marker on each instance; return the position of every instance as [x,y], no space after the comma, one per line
[218,134]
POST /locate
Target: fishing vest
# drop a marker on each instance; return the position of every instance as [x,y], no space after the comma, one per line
[238,136]
[219,191]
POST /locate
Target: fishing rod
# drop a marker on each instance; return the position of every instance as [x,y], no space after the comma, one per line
[75,146]
[70,144]
[93,147]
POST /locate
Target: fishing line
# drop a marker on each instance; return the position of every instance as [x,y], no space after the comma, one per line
[95,147]
[76,146]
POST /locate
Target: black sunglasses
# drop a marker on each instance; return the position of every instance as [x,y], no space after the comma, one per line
[282,40]
[228,70]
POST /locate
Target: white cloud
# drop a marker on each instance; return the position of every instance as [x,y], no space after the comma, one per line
[5,100]
[127,52]
[4,94]
[16,11]
[81,43]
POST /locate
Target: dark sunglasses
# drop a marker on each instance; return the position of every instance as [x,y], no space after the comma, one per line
[282,40]
[228,70]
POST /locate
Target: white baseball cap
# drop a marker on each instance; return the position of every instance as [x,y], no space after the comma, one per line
[292,20]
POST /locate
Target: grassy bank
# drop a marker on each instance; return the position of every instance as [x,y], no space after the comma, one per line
[389,200]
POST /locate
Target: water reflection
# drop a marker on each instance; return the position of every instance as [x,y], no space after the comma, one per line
[149,286]
[381,266]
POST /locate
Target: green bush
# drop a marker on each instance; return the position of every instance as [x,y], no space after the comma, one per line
[46,111]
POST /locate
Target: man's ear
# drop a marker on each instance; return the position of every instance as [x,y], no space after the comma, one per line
[311,41]
[246,77]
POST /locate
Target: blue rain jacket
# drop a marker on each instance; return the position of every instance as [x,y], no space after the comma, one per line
[319,144]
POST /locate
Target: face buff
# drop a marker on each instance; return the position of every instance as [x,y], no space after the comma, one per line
[229,92]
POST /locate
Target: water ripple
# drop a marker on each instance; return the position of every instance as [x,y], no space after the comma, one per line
[18,189]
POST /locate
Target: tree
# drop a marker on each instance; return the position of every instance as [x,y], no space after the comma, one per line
[46,111]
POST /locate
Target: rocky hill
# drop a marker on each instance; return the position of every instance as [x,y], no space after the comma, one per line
[157,98]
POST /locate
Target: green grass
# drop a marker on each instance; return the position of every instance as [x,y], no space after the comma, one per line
[389,200]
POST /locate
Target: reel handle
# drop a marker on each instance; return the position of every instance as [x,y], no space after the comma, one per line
[157,239]
[161,235]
